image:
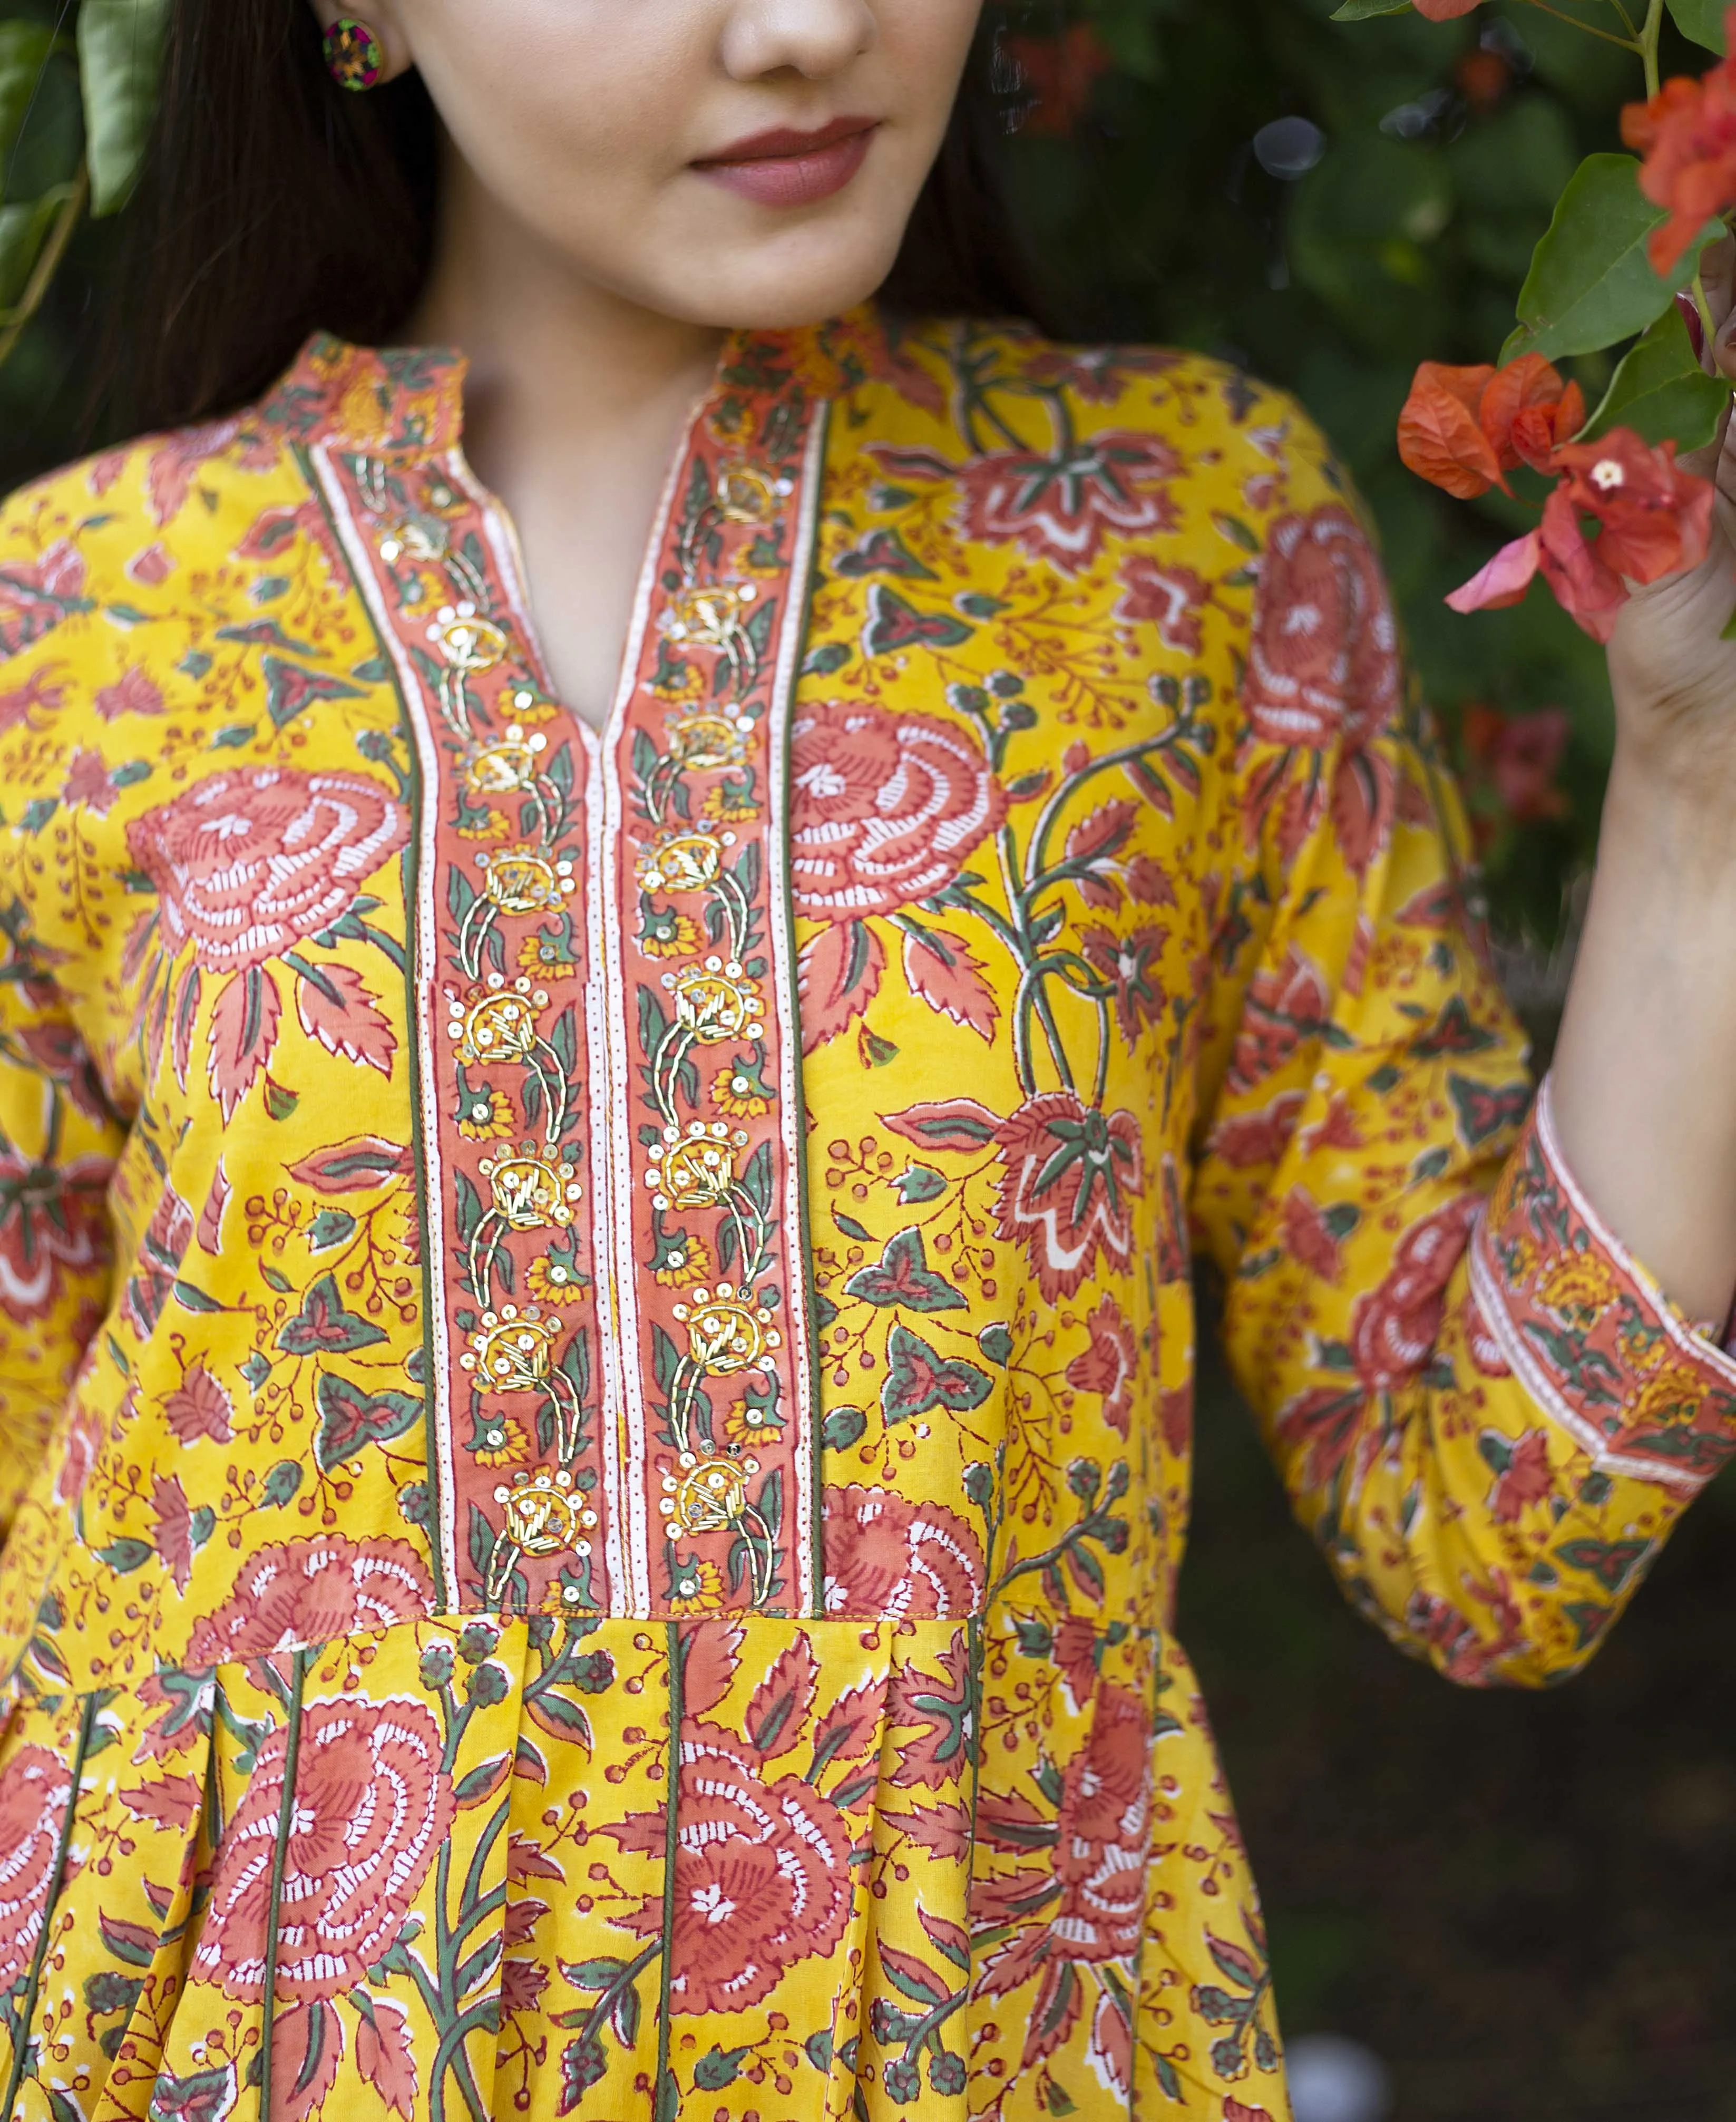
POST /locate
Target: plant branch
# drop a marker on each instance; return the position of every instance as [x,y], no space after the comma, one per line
[47,264]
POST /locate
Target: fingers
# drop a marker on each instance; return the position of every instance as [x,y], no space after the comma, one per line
[1718,277]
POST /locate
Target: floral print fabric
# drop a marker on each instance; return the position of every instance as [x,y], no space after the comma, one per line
[596,1329]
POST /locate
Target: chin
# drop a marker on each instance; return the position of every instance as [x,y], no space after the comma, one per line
[796,279]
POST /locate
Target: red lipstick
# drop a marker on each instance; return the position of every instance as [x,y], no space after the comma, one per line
[787,168]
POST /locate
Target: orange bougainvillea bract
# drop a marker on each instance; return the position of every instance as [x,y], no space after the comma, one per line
[1652,519]
[1445,10]
[1687,134]
[1464,429]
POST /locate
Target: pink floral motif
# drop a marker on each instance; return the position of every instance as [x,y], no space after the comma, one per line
[1171,599]
[133,692]
[886,1556]
[84,1440]
[35,1787]
[1395,1327]
[761,1875]
[164,1247]
[1085,1903]
[1286,1004]
[1323,664]
[53,1219]
[886,808]
[1109,1366]
[33,600]
[87,781]
[313,1591]
[373,1803]
[250,862]
[1070,1173]
[1062,507]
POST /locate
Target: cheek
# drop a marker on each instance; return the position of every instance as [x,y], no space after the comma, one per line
[927,42]
[542,94]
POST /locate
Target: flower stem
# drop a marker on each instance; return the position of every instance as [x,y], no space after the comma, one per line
[1649,37]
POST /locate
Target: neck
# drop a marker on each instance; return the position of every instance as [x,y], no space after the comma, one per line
[554,358]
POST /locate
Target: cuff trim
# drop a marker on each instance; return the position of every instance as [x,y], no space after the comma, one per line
[1589,1333]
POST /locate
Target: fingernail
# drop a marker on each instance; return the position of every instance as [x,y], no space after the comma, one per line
[1690,310]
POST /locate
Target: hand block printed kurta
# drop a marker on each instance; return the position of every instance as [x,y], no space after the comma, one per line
[596,1329]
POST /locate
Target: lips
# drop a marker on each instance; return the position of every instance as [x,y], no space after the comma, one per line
[786,168]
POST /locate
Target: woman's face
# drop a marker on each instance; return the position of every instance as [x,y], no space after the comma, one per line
[738,163]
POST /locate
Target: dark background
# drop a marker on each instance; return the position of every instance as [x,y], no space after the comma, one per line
[1527,1903]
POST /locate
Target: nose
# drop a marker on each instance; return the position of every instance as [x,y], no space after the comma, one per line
[814,38]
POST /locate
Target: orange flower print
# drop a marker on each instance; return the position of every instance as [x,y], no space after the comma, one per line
[546,951]
[695,1588]
[1674,1395]
[486,1115]
[664,933]
[747,1423]
[1577,1285]
[739,1093]
[553,1277]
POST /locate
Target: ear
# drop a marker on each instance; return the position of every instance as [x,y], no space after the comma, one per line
[381,18]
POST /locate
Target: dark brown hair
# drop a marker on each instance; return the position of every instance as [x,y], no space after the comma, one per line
[274,204]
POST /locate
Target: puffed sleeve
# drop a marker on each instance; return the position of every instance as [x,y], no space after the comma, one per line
[1483,1407]
[59,1137]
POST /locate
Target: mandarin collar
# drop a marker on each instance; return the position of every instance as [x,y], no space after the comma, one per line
[410,399]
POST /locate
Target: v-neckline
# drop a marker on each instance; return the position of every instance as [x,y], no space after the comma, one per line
[599,739]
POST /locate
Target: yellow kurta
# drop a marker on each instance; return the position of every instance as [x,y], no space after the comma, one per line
[596,1329]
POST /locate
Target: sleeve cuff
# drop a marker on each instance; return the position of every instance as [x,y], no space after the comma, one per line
[1589,1333]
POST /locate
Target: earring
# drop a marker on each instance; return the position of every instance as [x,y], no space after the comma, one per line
[354,54]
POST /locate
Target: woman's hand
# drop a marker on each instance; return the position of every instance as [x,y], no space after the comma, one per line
[1644,1076]
[1673,673]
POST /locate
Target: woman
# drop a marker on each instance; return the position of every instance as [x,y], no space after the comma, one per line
[597,1318]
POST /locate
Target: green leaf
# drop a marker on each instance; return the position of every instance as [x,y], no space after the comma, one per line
[1661,391]
[1701,19]
[282,1483]
[120,52]
[351,1417]
[1590,283]
[24,52]
[123,1556]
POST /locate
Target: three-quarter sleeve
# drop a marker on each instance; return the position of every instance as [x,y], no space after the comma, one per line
[1483,1407]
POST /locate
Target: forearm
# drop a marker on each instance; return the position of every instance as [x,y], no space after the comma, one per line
[1644,1073]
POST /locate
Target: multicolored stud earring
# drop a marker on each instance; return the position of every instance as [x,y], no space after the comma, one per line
[354,54]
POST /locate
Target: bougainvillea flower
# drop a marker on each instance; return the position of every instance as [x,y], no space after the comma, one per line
[1653,519]
[1656,518]
[1464,428]
[1687,135]
[1528,412]
[1445,10]
[1440,435]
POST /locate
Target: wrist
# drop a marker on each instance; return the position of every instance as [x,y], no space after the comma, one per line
[1670,822]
